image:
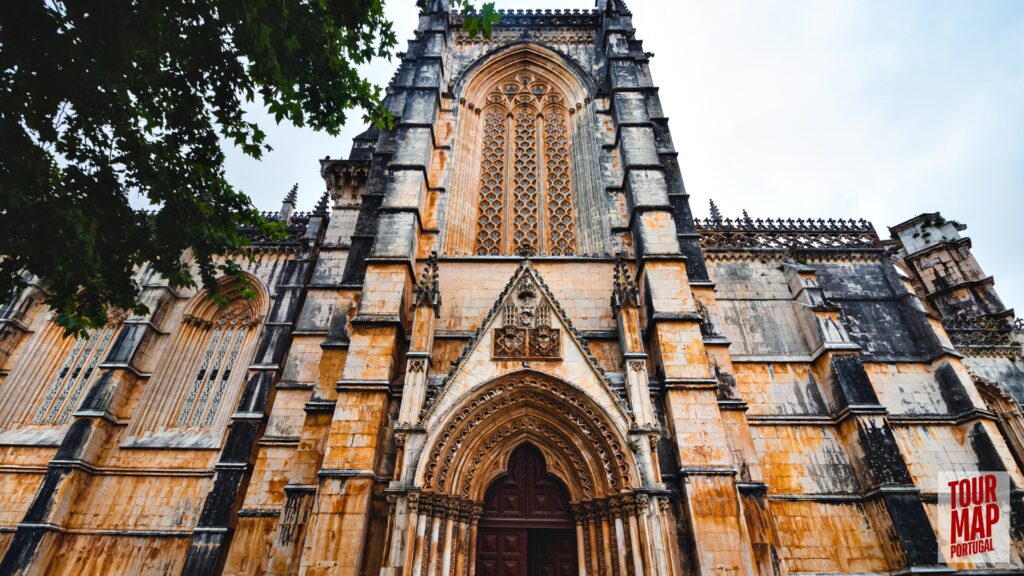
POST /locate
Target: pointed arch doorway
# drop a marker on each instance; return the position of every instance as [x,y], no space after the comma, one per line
[527,526]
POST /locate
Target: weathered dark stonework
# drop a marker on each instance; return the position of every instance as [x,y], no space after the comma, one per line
[721,395]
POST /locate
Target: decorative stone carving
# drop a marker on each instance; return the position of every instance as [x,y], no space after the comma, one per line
[746,234]
[519,108]
[568,451]
[624,288]
[428,289]
[490,218]
[575,424]
[638,365]
[526,331]
[561,226]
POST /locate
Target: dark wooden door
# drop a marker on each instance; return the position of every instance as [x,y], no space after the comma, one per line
[553,553]
[501,552]
[527,527]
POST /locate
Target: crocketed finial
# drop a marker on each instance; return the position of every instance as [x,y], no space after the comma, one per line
[321,205]
[746,217]
[624,289]
[293,195]
[716,215]
[428,289]
[288,204]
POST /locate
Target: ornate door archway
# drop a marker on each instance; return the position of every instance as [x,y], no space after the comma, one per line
[527,526]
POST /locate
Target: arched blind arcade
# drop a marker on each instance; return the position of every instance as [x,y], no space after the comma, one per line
[525,204]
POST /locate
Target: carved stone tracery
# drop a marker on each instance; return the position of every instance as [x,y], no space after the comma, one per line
[511,216]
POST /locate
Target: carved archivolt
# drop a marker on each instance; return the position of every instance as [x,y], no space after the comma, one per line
[465,451]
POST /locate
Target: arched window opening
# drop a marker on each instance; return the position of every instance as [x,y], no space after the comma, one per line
[525,203]
[67,385]
[492,183]
[224,337]
[51,376]
[188,400]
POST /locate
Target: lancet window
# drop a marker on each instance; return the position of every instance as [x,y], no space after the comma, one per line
[51,377]
[211,377]
[525,204]
[65,388]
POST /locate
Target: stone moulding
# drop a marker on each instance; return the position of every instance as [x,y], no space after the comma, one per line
[561,420]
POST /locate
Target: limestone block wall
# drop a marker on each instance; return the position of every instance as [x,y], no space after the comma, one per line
[726,399]
[816,480]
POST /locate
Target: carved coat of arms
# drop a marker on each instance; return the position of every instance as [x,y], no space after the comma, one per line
[525,332]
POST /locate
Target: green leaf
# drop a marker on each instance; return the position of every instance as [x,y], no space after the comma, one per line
[141,113]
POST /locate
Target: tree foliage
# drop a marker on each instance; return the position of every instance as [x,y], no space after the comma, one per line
[99,100]
[102,100]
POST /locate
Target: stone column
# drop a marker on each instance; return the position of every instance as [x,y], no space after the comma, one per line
[421,540]
[478,511]
[581,544]
[591,530]
[664,522]
[432,548]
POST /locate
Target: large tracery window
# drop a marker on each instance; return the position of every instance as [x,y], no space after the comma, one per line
[52,375]
[189,399]
[210,379]
[525,204]
[65,388]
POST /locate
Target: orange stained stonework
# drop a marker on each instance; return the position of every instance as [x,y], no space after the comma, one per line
[516,262]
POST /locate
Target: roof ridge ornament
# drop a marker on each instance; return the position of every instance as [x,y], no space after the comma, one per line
[293,195]
[321,206]
[716,215]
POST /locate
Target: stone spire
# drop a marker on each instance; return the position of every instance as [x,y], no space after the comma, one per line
[321,206]
[288,204]
[624,289]
[428,289]
[716,215]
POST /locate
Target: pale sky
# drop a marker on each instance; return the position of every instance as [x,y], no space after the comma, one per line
[796,108]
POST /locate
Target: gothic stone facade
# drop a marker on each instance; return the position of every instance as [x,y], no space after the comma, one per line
[504,345]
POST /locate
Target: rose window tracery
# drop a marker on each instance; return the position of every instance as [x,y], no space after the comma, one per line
[525,203]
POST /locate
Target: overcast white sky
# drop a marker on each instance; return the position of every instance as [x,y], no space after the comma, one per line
[856,109]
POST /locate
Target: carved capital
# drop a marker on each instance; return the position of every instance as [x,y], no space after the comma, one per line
[638,366]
